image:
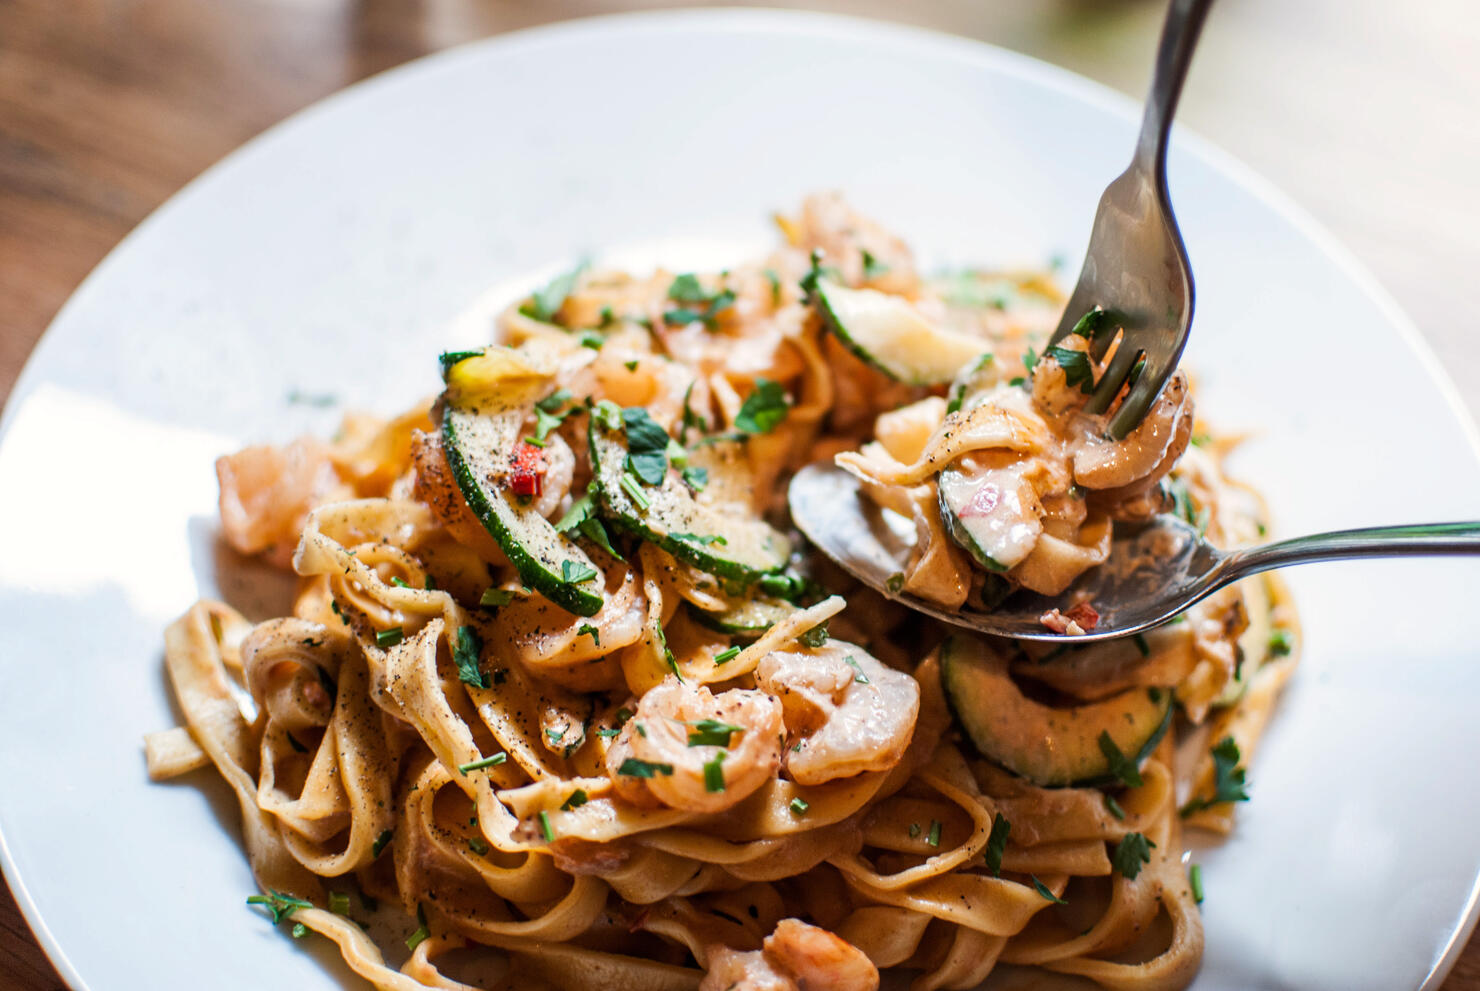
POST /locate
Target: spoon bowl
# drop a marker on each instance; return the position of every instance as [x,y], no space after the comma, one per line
[1154,571]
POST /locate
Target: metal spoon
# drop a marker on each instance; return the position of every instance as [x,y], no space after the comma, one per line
[1153,574]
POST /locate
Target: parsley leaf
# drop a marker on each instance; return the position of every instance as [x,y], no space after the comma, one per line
[815,637]
[1228,778]
[687,289]
[1076,366]
[465,654]
[997,843]
[576,800]
[714,774]
[1121,766]
[858,675]
[815,271]
[593,631]
[547,301]
[764,409]
[1132,851]
[872,267]
[647,445]
[1043,891]
[696,478]
[281,906]
[711,733]
[575,574]
[1091,323]
[1281,642]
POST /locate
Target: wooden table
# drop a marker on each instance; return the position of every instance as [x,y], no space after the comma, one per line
[1363,110]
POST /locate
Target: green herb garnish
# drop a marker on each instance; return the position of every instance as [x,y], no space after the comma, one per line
[465,653]
[1121,766]
[726,655]
[593,632]
[764,409]
[714,775]
[576,800]
[496,596]
[575,574]
[389,638]
[711,733]
[339,902]
[547,301]
[1091,323]
[1228,778]
[816,637]
[1077,368]
[1194,877]
[997,843]
[799,806]
[629,485]
[647,446]
[696,478]
[380,842]
[281,906]
[1132,851]
[1042,890]
[858,675]
[486,762]
[1281,643]
[545,827]
[422,932]
[933,838]
[632,767]
[1114,807]
[872,267]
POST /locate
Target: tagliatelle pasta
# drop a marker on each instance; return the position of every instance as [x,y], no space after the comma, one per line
[563,703]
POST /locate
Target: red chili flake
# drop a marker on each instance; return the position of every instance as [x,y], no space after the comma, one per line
[527,471]
[1085,615]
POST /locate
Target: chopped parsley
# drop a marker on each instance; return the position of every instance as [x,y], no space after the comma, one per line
[1228,778]
[1131,853]
[764,409]
[1077,368]
[592,339]
[548,415]
[858,675]
[1194,877]
[816,637]
[1121,766]
[1042,890]
[696,478]
[389,638]
[686,289]
[997,843]
[576,800]
[576,574]
[1113,807]
[486,762]
[726,655]
[465,653]
[647,446]
[691,420]
[547,300]
[815,272]
[711,733]
[478,846]
[281,906]
[380,842]
[933,838]
[632,767]
[1091,324]
[1281,643]
[595,634]
[496,596]
[631,366]
[799,806]
[872,267]
[607,734]
[608,414]
[895,583]
[326,681]
[714,774]
[581,517]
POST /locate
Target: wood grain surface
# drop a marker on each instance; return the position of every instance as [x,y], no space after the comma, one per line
[1365,111]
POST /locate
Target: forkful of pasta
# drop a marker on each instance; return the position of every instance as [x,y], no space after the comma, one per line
[1054,487]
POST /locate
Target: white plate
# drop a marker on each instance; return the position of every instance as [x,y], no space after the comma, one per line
[332,255]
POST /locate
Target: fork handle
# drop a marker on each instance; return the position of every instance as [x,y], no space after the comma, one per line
[1178,39]
[1423,540]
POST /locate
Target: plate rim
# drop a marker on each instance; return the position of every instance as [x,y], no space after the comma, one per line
[762,21]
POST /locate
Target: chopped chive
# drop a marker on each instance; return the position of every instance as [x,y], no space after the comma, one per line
[934,838]
[711,733]
[479,765]
[339,902]
[429,583]
[997,843]
[545,826]
[631,365]
[632,767]
[799,806]
[629,485]
[299,930]
[534,442]
[726,655]
[422,932]
[1114,807]
[1281,642]
[607,734]
[895,582]
[389,638]
[281,906]
[478,846]
[399,582]
[1194,877]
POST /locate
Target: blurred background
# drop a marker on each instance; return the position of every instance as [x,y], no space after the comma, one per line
[1366,112]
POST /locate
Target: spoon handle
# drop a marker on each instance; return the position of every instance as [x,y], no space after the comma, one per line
[1423,539]
[1178,39]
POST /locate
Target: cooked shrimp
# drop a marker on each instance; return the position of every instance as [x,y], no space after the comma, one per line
[845,712]
[662,737]
[796,957]
[436,487]
[267,492]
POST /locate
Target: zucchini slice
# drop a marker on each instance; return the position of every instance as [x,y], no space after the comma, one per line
[746,617]
[1049,746]
[984,513]
[698,531]
[888,332]
[477,445]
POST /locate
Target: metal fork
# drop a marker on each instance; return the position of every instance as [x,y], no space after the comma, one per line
[1136,266]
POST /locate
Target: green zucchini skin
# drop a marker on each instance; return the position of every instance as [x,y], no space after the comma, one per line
[531,543]
[752,549]
[1051,747]
[958,531]
[746,619]
[879,322]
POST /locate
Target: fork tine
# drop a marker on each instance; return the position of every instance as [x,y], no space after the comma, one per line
[1142,394]
[1114,377]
